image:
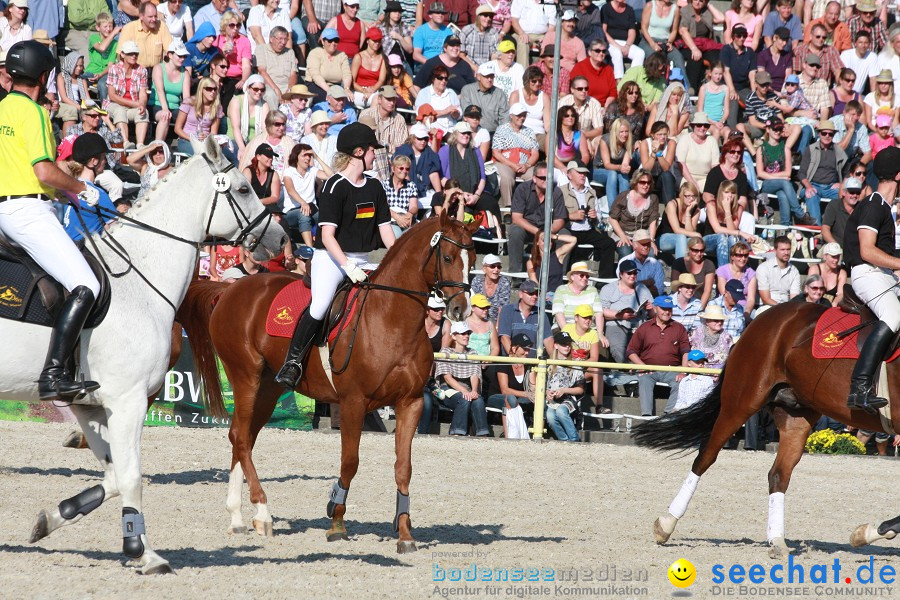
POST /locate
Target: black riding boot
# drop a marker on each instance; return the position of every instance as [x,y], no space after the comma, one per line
[56,382]
[861,382]
[301,342]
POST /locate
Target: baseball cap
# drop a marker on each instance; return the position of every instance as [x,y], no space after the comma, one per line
[663,302]
[792,79]
[480,300]
[584,310]
[627,266]
[387,91]
[739,29]
[522,341]
[736,289]
[356,135]
[562,338]
[490,259]
[763,77]
[569,15]
[373,33]
[883,120]
[577,166]
[330,33]
[394,60]
[304,252]
[419,131]
[487,69]
[506,46]
[233,273]
[697,355]
[812,59]
[178,48]
[452,41]
[437,7]
[265,150]
[337,92]
[853,184]
[472,110]
[129,47]
[528,286]
[460,327]
[518,109]
[641,235]
[783,33]
[832,249]
[462,127]
[435,302]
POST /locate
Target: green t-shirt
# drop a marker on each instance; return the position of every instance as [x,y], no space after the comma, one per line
[98,61]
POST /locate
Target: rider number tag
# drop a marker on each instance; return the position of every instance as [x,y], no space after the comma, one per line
[221,183]
[435,239]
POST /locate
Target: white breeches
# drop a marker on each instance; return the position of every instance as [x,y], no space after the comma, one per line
[326,276]
[877,288]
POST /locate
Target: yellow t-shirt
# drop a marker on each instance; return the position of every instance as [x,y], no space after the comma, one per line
[581,345]
[26,138]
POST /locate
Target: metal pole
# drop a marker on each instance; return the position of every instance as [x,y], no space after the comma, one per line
[541,381]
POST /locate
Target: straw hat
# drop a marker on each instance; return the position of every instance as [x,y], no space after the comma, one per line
[319,117]
[686,279]
[300,90]
[713,312]
[885,76]
[579,267]
[41,35]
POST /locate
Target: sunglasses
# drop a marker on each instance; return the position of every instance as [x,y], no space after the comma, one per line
[230,25]
[402,168]
[210,89]
[819,37]
[702,125]
[440,78]
[850,79]
[436,309]
[633,273]
[540,177]
[826,134]
[734,152]
[741,255]
[497,266]
[816,288]
[258,89]
[699,250]
[529,293]
[580,89]
[584,275]
[643,182]
[778,128]
[598,50]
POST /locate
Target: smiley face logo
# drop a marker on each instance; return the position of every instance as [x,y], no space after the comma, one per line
[682,573]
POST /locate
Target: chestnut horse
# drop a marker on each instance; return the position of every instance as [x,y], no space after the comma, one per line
[775,352]
[390,361]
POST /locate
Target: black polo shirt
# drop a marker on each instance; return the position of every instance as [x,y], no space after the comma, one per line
[873,213]
[356,211]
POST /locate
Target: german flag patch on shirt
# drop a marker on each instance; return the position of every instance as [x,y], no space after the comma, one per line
[365,210]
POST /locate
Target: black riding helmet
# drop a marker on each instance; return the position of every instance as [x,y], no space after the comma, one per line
[87,146]
[356,135]
[887,164]
[29,59]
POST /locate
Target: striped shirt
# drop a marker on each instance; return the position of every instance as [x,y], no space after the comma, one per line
[462,372]
[734,318]
[687,316]
[565,301]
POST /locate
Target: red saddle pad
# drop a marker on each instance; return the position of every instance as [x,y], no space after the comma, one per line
[288,306]
[827,344]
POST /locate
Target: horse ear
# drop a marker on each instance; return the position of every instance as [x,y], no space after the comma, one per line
[212,149]
[473,227]
[445,218]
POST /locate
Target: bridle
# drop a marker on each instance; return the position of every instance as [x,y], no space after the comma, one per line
[440,257]
[222,187]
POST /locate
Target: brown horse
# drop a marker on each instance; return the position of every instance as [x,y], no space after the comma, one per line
[390,361]
[774,353]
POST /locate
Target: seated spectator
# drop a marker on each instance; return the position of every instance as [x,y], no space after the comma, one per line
[127,11]
[833,276]
[862,62]
[624,305]
[199,118]
[584,217]
[620,27]
[515,152]
[335,106]
[651,272]
[813,292]
[586,343]
[528,206]
[400,80]
[247,113]
[589,26]
[694,387]
[263,18]
[263,178]
[535,102]
[814,87]
[740,63]
[650,78]
[512,380]
[442,100]
[531,22]
[778,279]
[546,66]
[522,317]
[635,210]
[571,145]
[697,21]
[612,163]
[572,49]
[829,17]
[149,36]
[449,200]
[481,138]
[697,153]
[508,73]
[492,285]
[296,109]
[760,107]
[598,73]
[13,27]
[588,109]
[463,162]
[853,136]
[461,382]
[729,301]
[726,195]
[301,211]
[87,161]
[127,89]
[397,33]
[235,47]
[428,38]
[829,56]
[201,50]
[479,39]
[351,30]
[483,340]
[96,120]
[324,146]
[177,17]
[171,87]
[711,338]
[697,265]
[153,162]
[563,385]
[843,91]
[782,17]
[681,216]
[561,245]
[883,136]
[686,305]
[746,13]
[368,69]
[669,111]
[72,89]
[821,166]
[390,128]
[576,291]
[659,30]
[738,269]
[774,170]
[101,52]
[402,195]
[426,165]
[657,154]
[459,72]
[437,328]
[629,106]
[777,59]
[652,344]
[882,99]
[277,65]
[274,136]
[327,67]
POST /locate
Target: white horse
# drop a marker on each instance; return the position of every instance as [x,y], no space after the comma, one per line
[128,352]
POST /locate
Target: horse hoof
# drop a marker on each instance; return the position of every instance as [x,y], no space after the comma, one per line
[663,528]
[334,536]
[778,549]
[41,529]
[406,546]
[160,569]
[237,530]
[76,440]
[864,534]
[263,528]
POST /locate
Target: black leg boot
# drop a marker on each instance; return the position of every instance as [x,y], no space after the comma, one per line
[861,382]
[57,382]
[301,342]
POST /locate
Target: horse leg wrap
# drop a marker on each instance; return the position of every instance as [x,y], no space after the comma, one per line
[893,525]
[83,503]
[132,529]
[402,509]
[338,496]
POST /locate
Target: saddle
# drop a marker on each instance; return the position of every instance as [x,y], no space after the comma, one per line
[288,305]
[28,294]
[842,331]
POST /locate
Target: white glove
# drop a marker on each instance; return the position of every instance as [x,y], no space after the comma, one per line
[355,273]
[89,196]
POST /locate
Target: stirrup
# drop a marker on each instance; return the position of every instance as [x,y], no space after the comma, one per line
[290,374]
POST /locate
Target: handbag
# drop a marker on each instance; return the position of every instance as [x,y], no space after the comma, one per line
[516,428]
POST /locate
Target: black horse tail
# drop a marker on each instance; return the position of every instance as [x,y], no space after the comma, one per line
[683,429]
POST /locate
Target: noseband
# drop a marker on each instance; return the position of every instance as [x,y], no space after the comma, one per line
[222,187]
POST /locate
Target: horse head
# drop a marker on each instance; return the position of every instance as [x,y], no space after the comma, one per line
[454,254]
[236,214]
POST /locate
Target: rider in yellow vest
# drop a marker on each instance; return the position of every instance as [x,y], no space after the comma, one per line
[30,179]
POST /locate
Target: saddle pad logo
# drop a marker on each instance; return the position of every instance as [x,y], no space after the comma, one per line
[9,296]
[365,210]
[831,340]
[283,316]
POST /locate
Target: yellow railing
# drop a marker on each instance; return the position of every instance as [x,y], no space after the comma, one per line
[541,365]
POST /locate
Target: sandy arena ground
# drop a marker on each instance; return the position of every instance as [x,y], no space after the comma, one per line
[500,505]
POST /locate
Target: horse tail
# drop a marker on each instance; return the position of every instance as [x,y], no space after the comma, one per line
[194,315]
[683,429]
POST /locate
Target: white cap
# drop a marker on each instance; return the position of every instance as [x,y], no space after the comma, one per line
[129,47]
[518,108]
[435,302]
[178,48]
[351,2]
[462,127]
[418,130]
[569,15]
[233,273]
[490,259]
[460,327]
[488,68]
[852,183]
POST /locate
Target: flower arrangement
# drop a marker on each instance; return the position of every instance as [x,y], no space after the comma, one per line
[829,442]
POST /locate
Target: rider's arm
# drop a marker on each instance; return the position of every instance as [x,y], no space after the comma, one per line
[51,175]
[870,253]
[331,244]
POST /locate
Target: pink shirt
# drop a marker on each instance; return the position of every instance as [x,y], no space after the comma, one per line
[240,51]
[879,143]
[570,51]
[731,18]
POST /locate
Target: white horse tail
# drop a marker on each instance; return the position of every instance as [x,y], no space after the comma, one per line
[194,315]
